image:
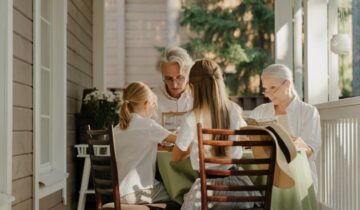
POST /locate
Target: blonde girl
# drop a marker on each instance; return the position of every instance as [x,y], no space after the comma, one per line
[136,139]
[213,109]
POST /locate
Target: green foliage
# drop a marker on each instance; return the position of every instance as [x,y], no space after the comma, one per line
[239,36]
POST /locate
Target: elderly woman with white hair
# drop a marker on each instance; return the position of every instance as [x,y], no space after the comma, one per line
[301,119]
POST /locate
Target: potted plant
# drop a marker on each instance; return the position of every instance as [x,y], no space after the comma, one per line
[99,110]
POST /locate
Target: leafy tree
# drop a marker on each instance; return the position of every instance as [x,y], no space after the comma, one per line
[239,37]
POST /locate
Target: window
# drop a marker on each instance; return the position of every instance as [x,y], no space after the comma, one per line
[342,38]
[6,82]
[46,72]
[49,97]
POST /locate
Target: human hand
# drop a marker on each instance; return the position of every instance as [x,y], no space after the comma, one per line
[301,145]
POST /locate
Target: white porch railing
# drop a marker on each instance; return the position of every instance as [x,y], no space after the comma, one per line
[338,163]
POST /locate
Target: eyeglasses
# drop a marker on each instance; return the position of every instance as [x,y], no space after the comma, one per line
[272,90]
[178,80]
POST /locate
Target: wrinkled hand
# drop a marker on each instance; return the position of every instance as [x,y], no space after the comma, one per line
[300,144]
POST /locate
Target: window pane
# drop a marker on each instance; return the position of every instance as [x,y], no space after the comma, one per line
[344,39]
[45,140]
[45,44]
[356,47]
[45,92]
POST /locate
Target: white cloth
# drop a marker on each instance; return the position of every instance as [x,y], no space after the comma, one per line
[304,120]
[135,151]
[188,135]
[154,195]
[167,103]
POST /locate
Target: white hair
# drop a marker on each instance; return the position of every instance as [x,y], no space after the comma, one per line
[280,72]
[177,55]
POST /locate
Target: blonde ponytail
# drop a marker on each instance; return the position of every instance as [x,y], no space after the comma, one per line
[124,115]
[134,95]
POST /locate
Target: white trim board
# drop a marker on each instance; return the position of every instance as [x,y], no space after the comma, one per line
[316,51]
[99,67]
[284,33]
[6,102]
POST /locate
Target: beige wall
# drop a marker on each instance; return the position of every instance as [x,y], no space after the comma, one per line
[79,76]
[22,168]
[79,34]
[145,28]
[146,24]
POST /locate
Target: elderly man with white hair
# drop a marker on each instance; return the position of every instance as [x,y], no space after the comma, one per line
[174,95]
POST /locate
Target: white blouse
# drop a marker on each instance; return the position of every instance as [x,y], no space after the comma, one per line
[187,136]
[135,151]
[167,103]
[304,120]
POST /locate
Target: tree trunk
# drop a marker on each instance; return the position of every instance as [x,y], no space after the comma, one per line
[356,47]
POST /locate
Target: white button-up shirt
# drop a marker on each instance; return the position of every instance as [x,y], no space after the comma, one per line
[167,103]
[135,151]
[304,120]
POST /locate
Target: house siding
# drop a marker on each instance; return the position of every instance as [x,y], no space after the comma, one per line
[79,76]
[145,29]
[147,25]
[22,167]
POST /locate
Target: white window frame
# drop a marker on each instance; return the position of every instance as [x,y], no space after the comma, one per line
[6,102]
[54,180]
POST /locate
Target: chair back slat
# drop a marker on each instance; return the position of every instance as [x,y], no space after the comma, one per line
[220,198]
[243,131]
[219,172]
[238,143]
[103,167]
[103,181]
[105,159]
[237,188]
[238,161]
[98,142]
[262,166]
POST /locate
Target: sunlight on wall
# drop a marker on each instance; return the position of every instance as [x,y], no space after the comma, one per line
[282,47]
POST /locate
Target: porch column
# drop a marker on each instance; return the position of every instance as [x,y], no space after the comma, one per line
[316,51]
[172,13]
[284,33]
[99,67]
[6,102]
[114,43]
[298,48]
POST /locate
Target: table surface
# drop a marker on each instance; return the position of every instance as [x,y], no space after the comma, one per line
[178,177]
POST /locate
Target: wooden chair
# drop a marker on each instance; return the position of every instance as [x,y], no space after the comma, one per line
[103,167]
[105,174]
[265,166]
